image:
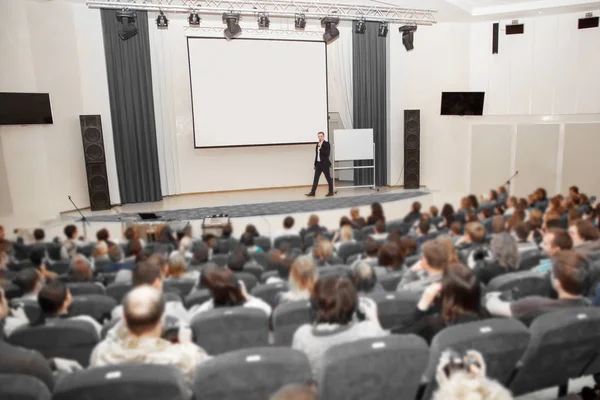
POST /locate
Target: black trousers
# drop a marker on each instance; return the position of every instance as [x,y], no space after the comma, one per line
[325,170]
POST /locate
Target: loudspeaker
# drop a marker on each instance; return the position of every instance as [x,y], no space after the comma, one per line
[412,146]
[495,31]
[95,162]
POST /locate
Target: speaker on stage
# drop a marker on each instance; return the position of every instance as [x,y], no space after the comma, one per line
[412,146]
[95,161]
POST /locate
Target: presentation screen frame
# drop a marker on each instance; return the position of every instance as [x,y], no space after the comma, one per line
[264,144]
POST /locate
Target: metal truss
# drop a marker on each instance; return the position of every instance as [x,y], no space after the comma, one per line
[192,31]
[278,8]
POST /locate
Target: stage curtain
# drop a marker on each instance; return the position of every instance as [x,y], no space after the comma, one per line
[370,94]
[339,73]
[132,109]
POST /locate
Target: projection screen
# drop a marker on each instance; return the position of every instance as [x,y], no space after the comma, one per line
[252,92]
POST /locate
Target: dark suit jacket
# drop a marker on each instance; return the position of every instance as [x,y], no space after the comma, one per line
[325,150]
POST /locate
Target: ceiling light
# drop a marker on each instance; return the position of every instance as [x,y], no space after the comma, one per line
[233,29]
[162,21]
[263,21]
[128,28]
[331,30]
[383,29]
[361,26]
[300,21]
[194,19]
[408,36]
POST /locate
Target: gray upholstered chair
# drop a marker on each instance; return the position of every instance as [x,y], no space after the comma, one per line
[230,328]
[287,318]
[81,288]
[295,241]
[390,281]
[250,374]
[268,292]
[96,306]
[263,242]
[394,308]
[178,285]
[254,269]
[349,249]
[387,368]
[124,382]
[248,278]
[397,225]
[118,290]
[220,259]
[22,387]
[224,246]
[59,267]
[196,298]
[261,258]
[529,259]
[521,284]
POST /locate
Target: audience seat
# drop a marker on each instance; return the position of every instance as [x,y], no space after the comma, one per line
[295,241]
[59,267]
[182,286]
[11,291]
[529,259]
[196,298]
[232,328]
[339,270]
[70,339]
[269,274]
[394,308]
[224,246]
[124,382]
[563,343]
[100,264]
[397,225]
[287,318]
[96,306]
[82,288]
[53,250]
[87,250]
[268,292]
[387,368]
[261,257]
[348,249]
[352,259]
[250,374]
[264,243]
[367,230]
[220,259]
[390,281]
[20,265]
[502,342]
[249,280]
[254,269]
[118,290]
[521,284]
[31,307]
[22,387]
[411,260]
[308,241]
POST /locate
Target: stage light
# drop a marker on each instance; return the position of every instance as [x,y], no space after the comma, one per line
[233,29]
[408,36]
[331,30]
[194,19]
[263,21]
[300,21]
[161,21]
[361,26]
[128,28]
[383,29]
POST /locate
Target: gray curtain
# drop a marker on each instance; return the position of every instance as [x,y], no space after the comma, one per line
[132,109]
[370,92]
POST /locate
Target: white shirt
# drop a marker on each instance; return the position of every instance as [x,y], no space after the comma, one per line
[172,308]
[252,302]
[319,153]
[285,232]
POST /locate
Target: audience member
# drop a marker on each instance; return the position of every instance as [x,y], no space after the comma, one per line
[288,228]
[322,252]
[210,242]
[312,226]
[247,241]
[30,281]
[69,246]
[185,248]
[251,229]
[414,215]
[379,233]
[426,271]
[376,214]
[423,231]
[408,246]
[573,192]
[295,391]
[586,239]
[447,216]
[433,211]
[178,269]
[450,250]
[345,237]
[505,253]
[104,236]
[474,203]
[227,231]
[365,278]
[37,258]
[358,222]
[100,251]
[80,270]
[456,232]
[237,259]
[334,301]
[555,240]
[511,206]
[370,255]
[497,224]
[390,259]
[302,278]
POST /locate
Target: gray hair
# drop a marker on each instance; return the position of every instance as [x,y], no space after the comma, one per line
[505,250]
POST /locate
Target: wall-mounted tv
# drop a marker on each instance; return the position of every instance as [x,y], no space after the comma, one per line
[462,103]
[25,108]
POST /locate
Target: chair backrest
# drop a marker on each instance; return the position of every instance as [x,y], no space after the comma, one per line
[232,328]
[31,307]
[97,306]
[118,290]
[183,286]
[268,292]
[502,342]
[397,225]
[63,338]
[11,291]
[394,308]
[521,284]
[287,318]
[220,259]
[249,280]
[349,249]
[352,259]
[295,241]
[100,264]
[59,267]
[20,265]
[529,259]
[261,258]
[124,382]
[196,298]
[411,260]
[22,387]
[82,288]
[53,250]
[269,274]
[390,281]
[86,250]
[224,246]
[563,343]
[386,368]
[250,374]
[308,241]
[263,242]
[367,230]
[254,269]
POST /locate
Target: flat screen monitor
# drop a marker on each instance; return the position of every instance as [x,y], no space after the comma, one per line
[462,103]
[25,108]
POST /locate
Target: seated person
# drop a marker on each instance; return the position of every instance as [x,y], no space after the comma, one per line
[379,234]
[177,269]
[390,259]
[555,240]
[365,278]
[70,245]
[408,246]
[210,241]
[569,273]
[140,341]
[312,226]
[227,231]
[456,231]
[251,229]
[104,236]
[30,281]
[247,240]
[80,270]
[185,248]
[226,291]
[302,277]
[345,237]
[454,300]
[376,214]
[295,391]
[586,239]
[522,232]
[288,228]
[37,258]
[335,301]
[199,255]
[370,255]
[426,271]
[358,222]
[100,251]
[473,241]
[423,228]
[414,215]
[505,258]
[131,236]
[322,252]
[237,259]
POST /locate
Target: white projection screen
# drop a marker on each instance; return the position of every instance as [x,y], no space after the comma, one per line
[253,92]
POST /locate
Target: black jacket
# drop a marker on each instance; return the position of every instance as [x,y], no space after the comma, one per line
[17,360]
[325,150]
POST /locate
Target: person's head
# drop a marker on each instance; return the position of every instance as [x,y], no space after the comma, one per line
[408,246]
[364,277]
[556,204]
[377,211]
[237,258]
[555,240]
[390,255]
[354,213]
[102,235]
[185,245]
[251,229]
[447,211]
[177,265]
[542,195]
[247,239]
[54,298]
[210,240]
[36,256]
[434,211]
[334,300]
[505,250]
[573,216]
[493,195]
[569,273]
[435,257]
[380,226]
[295,391]
[344,220]
[115,253]
[512,202]
[313,221]
[303,274]
[456,229]
[199,253]
[143,310]
[416,207]
[100,250]
[371,247]
[583,231]
[2,234]
[424,226]
[521,231]
[227,231]
[288,222]
[130,233]
[473,201]
[471,216]
[135,247]
[573,191]
[474,232]
[80,268]
[498,224]
[502,190]
[450,250]
[323,250]
[70,232]
[461,292]
[223,286]
[39,235]
[150,272]
[346,233]
[321,136]
[29,280]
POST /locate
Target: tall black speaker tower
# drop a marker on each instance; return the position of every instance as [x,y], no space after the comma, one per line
[412,146]
[95,161]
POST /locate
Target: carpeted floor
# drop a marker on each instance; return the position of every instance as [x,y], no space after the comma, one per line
[273,208]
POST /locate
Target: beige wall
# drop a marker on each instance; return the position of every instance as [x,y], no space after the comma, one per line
[581,158]
[490,156]
[536,158]
[6,207]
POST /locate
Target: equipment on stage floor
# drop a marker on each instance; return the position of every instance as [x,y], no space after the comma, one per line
[148,216]
[214,225]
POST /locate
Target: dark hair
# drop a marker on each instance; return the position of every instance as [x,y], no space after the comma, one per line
[200,253]
[377,211]
[447,211]
[345,221]
[36,256]
[130,233]
[435,254]
[561,239]
[473,200]
[27,279]
[52,297]
[574,189]
[364,277]
[390,255]
[139,323]
[456,228]
[461,292]
[522,231]
[424,226]
[227,231]
[39,234]
[493,195]
[433,210]
[207,237]
[288,222]
[586,230]
[251,229]
[334,300]
[237,259]
[416,207]
[408,245]
[380,226]
[543,195]
[225,289]
[570,268]
[371,247]
[146,272]
[70,231]
[247,239]
[102,235]
[553,223]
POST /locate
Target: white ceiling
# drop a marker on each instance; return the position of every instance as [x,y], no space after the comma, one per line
[489,8]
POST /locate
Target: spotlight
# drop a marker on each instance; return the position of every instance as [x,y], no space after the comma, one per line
[161,21]
[383,29]
[300,21]
[263,21]
[194,19]
[408,36]
[233,29]
[331,30]
[361,26]
[128,28]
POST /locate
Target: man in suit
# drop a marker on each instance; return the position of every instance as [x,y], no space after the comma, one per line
[322,164]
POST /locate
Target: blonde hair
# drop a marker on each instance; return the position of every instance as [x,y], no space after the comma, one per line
[185,244]
[101,250]
[323,250]
[346,233]
[177,265]
[303,275]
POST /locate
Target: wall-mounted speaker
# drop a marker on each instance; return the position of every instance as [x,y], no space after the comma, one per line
[95,161]
[495,32]
[412,149]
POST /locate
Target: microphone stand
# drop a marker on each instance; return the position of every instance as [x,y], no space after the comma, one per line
[510,179]
[83,218]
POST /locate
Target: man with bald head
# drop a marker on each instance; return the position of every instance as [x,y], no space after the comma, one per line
[143,313]
[296,391]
